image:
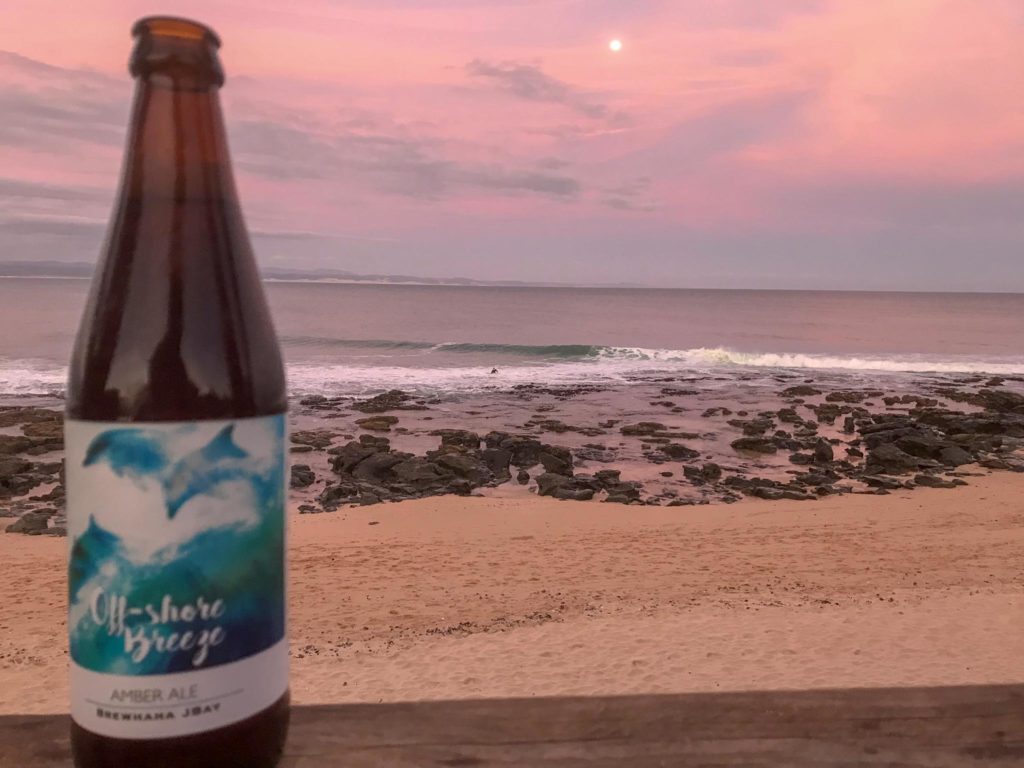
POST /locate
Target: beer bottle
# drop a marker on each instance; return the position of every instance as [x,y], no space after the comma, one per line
[175,439]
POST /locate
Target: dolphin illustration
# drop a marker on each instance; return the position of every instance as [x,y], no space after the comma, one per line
[131,452]
[141,453]
[219,461]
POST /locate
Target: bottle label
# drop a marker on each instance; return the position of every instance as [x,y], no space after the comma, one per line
[176,579]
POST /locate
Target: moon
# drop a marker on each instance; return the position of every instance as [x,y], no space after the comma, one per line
[615,45]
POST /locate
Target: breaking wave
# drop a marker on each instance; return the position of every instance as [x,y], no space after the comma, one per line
[465,367]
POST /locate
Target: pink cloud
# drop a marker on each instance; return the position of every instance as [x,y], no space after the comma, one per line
[392,119]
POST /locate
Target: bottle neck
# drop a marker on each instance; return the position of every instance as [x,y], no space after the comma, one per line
[177,148]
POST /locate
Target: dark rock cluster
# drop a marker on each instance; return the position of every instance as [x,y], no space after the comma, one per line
[818,443]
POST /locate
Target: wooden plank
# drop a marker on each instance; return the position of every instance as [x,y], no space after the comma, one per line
[912,727]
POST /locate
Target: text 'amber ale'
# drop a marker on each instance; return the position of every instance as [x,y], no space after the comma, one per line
[175,439]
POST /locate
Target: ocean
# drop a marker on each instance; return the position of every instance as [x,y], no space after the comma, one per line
[343,338]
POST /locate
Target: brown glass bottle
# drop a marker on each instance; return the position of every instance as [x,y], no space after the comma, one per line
[176,328]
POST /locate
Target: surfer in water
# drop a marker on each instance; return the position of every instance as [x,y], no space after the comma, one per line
[494,370]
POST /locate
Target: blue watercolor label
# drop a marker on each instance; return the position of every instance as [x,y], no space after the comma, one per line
[177,544]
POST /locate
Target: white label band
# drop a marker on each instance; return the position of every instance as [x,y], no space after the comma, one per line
[162,706]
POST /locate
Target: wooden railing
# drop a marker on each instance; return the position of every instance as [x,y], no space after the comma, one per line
[934,727]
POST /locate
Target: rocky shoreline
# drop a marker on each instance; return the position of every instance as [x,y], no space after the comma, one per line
[692,440]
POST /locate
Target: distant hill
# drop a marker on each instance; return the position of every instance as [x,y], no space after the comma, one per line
[84,269]
[45,269]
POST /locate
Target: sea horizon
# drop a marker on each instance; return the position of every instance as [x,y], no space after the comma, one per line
[361,337]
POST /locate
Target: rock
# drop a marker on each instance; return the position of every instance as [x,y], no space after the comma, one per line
[955,456]
[679,452]
[302,476]
[801,390]
[754,427]
[10,444]
[573,494]
[522,477]
[31,523]
[845,397]
[461,438]
[13,415]
[495,439]
[17,477]
[497,460]
[827,412]
[551,425]
[823,453]
[597,453]
[772,494]
[9,467]
[466,466]
[556,460]
[754,445]
[378,423]
[52,430]
[561,393]
[882,482]
[1001,400]
[338,493]
[393,400]
[854,453]
[643,428]
[995,463]
[849,424]
[419,473]
[623,493]
[891,460]
[802,459]
[816,479]
[549,481]
[792,495]
[347,456]
[525,450]
[313,438]
[607,478]
[377,466]
[931,481]
[711,471]
[789,416]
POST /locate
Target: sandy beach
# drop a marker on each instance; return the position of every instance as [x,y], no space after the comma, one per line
[478,597]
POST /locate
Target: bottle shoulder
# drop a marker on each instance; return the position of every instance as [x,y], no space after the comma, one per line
[176,331]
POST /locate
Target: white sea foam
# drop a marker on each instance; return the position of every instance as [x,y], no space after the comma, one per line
[603,364]
[711,357]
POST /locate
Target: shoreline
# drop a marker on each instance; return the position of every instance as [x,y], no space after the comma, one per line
[468,597]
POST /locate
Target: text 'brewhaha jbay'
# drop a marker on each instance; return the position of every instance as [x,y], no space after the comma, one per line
[176,450]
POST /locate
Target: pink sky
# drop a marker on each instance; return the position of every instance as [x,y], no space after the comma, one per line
[803,143]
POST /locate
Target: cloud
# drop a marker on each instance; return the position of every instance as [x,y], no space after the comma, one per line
[21,189]
[46,106]
[630,196]
[51,226]
[529,82]
[723,131]
[395,161]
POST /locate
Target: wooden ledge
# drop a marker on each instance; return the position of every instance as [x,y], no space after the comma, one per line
[935,727]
